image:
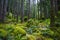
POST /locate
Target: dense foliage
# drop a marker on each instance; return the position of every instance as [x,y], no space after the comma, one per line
[31,30]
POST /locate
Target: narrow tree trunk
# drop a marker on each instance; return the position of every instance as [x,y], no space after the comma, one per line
[40,9]
[5,9]
[17,12]
[22,10]
[45,10]
[1,11]
[33,9]
[52,20]
[29,13]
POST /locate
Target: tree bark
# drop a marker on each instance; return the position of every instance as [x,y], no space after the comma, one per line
[22,10]
[1,10]
[52,19]
[5,9]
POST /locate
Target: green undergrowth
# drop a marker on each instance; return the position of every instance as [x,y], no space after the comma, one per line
[30,30]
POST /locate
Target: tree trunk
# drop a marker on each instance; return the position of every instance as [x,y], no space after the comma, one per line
[1,10]
[22,10]
[29,9]
[40,9]
[52,19]
[34,8]
[5,9]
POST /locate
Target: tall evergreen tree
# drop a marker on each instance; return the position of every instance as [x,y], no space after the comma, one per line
[22,10]
[52,19]
[3,8]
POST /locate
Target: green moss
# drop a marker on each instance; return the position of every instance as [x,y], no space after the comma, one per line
[19,30]
[3,33]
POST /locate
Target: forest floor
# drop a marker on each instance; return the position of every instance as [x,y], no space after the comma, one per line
[31,30]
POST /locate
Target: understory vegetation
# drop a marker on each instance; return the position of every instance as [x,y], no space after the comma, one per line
[30,30]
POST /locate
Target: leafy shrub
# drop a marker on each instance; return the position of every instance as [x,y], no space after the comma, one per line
[30,37]
[11,32]
[3,33]
[30,30]
[32,22]
[18,30]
